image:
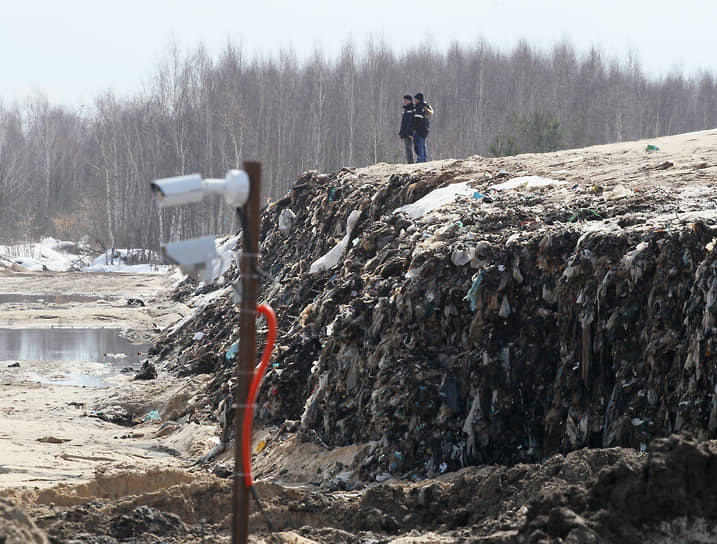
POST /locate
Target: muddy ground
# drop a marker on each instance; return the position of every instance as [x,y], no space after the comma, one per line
[535,366]
[57,414]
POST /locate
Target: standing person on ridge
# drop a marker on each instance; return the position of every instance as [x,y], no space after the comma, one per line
[420,126]
[406,123]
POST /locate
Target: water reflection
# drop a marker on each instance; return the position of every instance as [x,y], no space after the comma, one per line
[83,380]
[104,346]
[69,344]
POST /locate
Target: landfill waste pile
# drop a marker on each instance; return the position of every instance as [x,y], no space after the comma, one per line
[474,312]
[507,319]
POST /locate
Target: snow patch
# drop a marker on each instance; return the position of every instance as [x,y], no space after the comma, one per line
[435,199]
[47,254]
[117,262]
[61,256]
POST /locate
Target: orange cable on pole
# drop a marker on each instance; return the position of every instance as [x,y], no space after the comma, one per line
[270,316]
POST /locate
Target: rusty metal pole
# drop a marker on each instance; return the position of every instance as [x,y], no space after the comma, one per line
[247,346]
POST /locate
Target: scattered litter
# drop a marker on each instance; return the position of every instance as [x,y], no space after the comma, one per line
[527,182]
[286,220]
[232,351]
[147,372]
[53,440]
[152,416]
[331,259]
[116,355]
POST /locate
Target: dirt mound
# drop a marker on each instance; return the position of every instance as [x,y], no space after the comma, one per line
[592,495]
[16,527]
[167,506]
[667,496]
[113,485]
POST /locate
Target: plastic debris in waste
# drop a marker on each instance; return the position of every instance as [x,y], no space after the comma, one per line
[462,256]
[232,351]
[286,220]
[147,372]
[473,291]
[619,191]
[332,258]
[152,416]
[435,199]
[527,182]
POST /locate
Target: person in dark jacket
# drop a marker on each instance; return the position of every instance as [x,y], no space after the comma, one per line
[420,127]
[406,133]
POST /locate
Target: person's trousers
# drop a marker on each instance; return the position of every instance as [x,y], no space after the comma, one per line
[419,144]
[409,149]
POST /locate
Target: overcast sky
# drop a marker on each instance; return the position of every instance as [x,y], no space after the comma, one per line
[72,50]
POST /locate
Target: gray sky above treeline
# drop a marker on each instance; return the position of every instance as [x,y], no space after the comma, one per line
[73,50]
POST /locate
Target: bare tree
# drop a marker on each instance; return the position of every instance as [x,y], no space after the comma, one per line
[87,170]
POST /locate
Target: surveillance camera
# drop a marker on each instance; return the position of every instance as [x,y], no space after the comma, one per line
[192,188]
[179,190]
[194,255]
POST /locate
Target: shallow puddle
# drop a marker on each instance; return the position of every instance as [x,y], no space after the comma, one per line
[104,346]
[83,380]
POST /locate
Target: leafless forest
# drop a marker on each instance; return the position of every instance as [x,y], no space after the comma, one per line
[71,172]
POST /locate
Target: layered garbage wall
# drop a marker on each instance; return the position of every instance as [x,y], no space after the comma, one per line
[464,338]
[517,309]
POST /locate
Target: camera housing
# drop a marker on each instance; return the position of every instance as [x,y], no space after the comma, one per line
[178,190]
[196,255]
[191,188]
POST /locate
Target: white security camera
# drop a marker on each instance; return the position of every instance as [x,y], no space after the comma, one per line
[194,255]
[179,190]
[192,188]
